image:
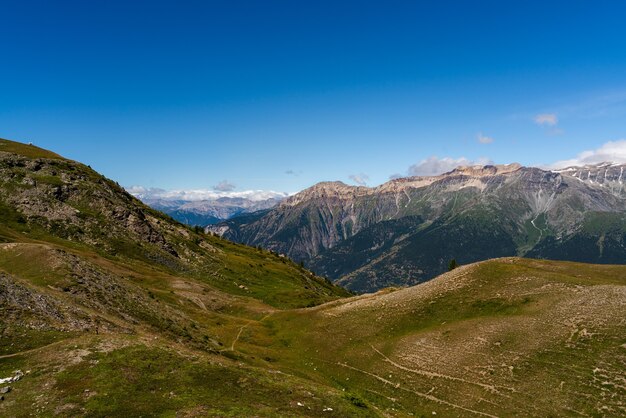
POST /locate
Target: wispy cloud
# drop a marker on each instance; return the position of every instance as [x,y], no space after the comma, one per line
[360,179]
[549,121]
[224,186]
[612,104]
[546,119]
[433,166]
[484,139]
[600,105]
[191,195]
[612,151]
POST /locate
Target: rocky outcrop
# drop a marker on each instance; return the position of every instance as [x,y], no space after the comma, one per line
[23,306]
[73,202]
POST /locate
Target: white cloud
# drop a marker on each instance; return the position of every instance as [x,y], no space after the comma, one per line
[484,139]
[556,131]
[612,151]
[192,195]
[224,186]
[546,119]
[360,179]
[433,166]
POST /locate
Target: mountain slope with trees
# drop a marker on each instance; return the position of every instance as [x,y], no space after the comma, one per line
[407,230]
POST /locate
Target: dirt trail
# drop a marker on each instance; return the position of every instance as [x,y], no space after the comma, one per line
[415,392]
[232,346]
[426,373]
[34,350]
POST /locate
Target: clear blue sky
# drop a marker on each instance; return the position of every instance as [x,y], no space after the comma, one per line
[280,95]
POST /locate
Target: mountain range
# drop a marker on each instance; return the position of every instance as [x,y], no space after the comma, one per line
[407,230]
[111,308]
[202,210]
[210,211]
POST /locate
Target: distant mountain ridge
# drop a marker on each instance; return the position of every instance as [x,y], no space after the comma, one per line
[406,231]
[211,211]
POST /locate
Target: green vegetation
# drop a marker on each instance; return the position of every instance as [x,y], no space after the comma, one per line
[405,231]
[140,380]
[30,151]
[112,309]
[18,339]
[452,264]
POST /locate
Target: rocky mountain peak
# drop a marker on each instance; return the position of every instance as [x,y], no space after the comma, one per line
[340,190]
[484,170]
[606,174]
[327,189]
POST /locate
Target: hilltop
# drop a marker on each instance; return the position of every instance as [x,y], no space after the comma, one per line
[62,202]
[506,337]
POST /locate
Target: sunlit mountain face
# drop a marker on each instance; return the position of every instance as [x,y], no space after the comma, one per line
[407,230]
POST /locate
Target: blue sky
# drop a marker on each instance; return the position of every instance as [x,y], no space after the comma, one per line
[278,95]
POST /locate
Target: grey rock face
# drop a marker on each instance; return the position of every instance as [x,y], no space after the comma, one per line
[72,202]
[406,230]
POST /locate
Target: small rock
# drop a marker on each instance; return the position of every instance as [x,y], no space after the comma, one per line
[300,404]
[5,389]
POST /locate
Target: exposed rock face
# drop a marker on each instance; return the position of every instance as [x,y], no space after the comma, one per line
[406,230]
[26,307]
[74,202]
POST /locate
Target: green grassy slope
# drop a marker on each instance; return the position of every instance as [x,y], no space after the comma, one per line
[499,338]
[45,198]
[508,337]
[106,322]
[91,276]
[30,151]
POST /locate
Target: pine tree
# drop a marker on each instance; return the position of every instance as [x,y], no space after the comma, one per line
[452,264]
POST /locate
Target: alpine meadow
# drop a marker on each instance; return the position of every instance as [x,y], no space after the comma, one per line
[312,209]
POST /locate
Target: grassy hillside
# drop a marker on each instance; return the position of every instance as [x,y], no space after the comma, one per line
[89,275]
[499,338]
[30,151]
[46,198]
[123,312]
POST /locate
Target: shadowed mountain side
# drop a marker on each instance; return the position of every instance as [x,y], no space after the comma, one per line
[407,230]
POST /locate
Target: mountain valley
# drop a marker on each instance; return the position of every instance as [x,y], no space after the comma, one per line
[209,211]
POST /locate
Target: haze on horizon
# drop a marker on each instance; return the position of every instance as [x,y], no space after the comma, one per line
[227,98]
